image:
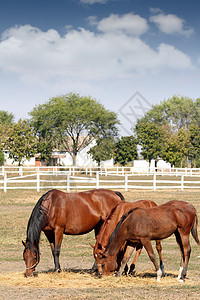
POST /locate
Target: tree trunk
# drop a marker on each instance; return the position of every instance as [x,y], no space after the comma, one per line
[74,159]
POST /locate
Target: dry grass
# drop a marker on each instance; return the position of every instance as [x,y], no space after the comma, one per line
[76,282]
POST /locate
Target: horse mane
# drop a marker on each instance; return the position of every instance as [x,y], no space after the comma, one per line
[35,224]
[119,224]
[120,195]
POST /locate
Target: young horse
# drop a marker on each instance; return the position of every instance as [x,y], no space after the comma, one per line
[108,227]
[57,213]
[141,225]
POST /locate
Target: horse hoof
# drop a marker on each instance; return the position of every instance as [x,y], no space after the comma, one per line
[181,280]
[57,271]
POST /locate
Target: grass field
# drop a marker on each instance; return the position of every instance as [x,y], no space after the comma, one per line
[76,282]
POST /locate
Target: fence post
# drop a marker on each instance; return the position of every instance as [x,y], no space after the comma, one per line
[154,181]
[21,171]
[3,170]
[38,181]
[5,182]
[68,182]
[182,182]
[97,179]
[126,182]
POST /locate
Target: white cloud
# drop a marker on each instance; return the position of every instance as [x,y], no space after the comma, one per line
[46,58]
[129,24]
[171,24]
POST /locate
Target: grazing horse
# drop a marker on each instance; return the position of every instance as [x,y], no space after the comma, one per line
[141,225]
[108,227]
[57,213]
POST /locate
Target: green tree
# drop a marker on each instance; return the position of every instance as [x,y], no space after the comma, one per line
[149,136]
[103,150]
[194,149]
[6,118]
[21,142]
[6,121]
[176,144]
[71,122]
[2,159]
[177,111]
[125,150]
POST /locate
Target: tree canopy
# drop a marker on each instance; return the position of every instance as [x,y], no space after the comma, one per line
[71,122]
[125,150]
[103,150]
[21,142]
[170,130]
[6,118]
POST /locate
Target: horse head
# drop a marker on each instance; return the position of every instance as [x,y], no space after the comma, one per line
[105,264]
[31,257]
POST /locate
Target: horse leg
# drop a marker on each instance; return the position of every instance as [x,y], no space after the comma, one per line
[147,244]
[58,240]
[180,244]
[51,238]
[159,250]
[186,251]
[96,231]
[137,254]
[123,265]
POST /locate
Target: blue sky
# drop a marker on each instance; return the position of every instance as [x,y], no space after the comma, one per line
[127,54]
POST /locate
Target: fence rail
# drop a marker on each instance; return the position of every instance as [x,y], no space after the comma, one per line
[94,178]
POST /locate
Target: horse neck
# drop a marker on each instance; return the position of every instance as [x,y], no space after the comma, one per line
[115,245]
[116,242]
[108,227]
[36,223]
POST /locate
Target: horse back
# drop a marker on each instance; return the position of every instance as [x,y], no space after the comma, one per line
[79,212]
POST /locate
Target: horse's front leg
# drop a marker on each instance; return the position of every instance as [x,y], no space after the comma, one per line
[51,238]
[56,252]
[128,250]
[147,244]
[137,254]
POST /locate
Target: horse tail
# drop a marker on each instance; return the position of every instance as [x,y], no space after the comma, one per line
[194,230]
[120,195]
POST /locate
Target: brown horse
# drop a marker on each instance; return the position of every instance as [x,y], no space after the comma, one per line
[141,225]
[108,227]
[57,213]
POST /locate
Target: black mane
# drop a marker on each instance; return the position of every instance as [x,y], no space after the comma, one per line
[35,224]
[120,195]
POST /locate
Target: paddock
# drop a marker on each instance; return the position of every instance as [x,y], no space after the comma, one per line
[76,282]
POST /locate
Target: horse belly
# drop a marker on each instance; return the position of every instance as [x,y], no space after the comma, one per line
[77,226]
[162,231]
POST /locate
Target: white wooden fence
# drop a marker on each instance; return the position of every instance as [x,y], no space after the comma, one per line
[94,178]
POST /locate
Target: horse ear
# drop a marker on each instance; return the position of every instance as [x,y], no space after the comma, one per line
[92,245]
[23,243]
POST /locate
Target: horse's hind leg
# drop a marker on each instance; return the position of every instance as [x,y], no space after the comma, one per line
[147,244]
[159,250]
[186,251]
[182,264]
